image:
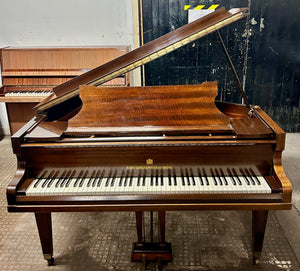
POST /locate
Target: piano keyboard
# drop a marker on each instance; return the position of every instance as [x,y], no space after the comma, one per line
[29,93]
[148,185]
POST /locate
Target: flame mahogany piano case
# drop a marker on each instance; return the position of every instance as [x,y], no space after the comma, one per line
[160,148]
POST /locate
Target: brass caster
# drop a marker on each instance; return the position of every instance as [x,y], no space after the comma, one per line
[50,261]
[255,260]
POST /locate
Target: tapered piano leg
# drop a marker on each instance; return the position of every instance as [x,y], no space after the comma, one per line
[139,227]
[162,226]
[43,221]
[259,222]
[143,251]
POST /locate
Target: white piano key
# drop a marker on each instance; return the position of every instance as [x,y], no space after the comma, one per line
[99,185]
[83,189]
[266,188]
[31,186]
[135,187]
[39,188]
[160,185]
[114,188]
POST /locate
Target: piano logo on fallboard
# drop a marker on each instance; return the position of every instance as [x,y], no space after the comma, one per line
[149,161]
[149,165]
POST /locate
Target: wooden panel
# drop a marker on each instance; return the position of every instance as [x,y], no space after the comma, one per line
[34,80]
[27,68]
[55,61]
[127,155]
[164,109]
[19,114]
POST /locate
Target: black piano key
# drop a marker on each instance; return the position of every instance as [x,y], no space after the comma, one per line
[130,180]
[40,178]
[182,180]
[200,177]
[138,181]
[213,176]
[253,175]
[222,180]
[57,184]
[70,179]
[125,181]
[223,177]
[231,177]
[99,181]
[52,180]
[113,181]
[192,178]
[66,179]
[175,180]
[236,176]
[151,180]
[170,180]
[156,179]
[144,180]
[108,180]
[78,179]
[247,178]
[205,177]
[62,183]
[218,176]
[68,182]
[91,180]
[121,178]
[45,182]
[95,182]
[82,181]
[121,181]
[254,180]
[187,177]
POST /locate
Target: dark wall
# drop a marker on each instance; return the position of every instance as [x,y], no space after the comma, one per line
[265,49]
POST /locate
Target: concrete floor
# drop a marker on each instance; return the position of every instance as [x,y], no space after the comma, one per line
[200,240]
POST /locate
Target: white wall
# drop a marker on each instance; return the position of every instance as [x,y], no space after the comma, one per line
[65,23]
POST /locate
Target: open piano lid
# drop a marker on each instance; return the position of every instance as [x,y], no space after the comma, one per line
[140,56]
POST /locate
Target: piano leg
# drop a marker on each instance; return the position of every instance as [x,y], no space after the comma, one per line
[43,221]
[162,227]
[139,227]
[259,221]
[143,251]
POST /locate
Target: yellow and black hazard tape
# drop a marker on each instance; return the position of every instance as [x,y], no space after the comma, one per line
[199,7]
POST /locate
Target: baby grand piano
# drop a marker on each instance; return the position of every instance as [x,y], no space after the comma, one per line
[160,148]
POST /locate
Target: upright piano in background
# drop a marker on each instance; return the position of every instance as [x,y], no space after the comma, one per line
[29,74]
[159,148]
